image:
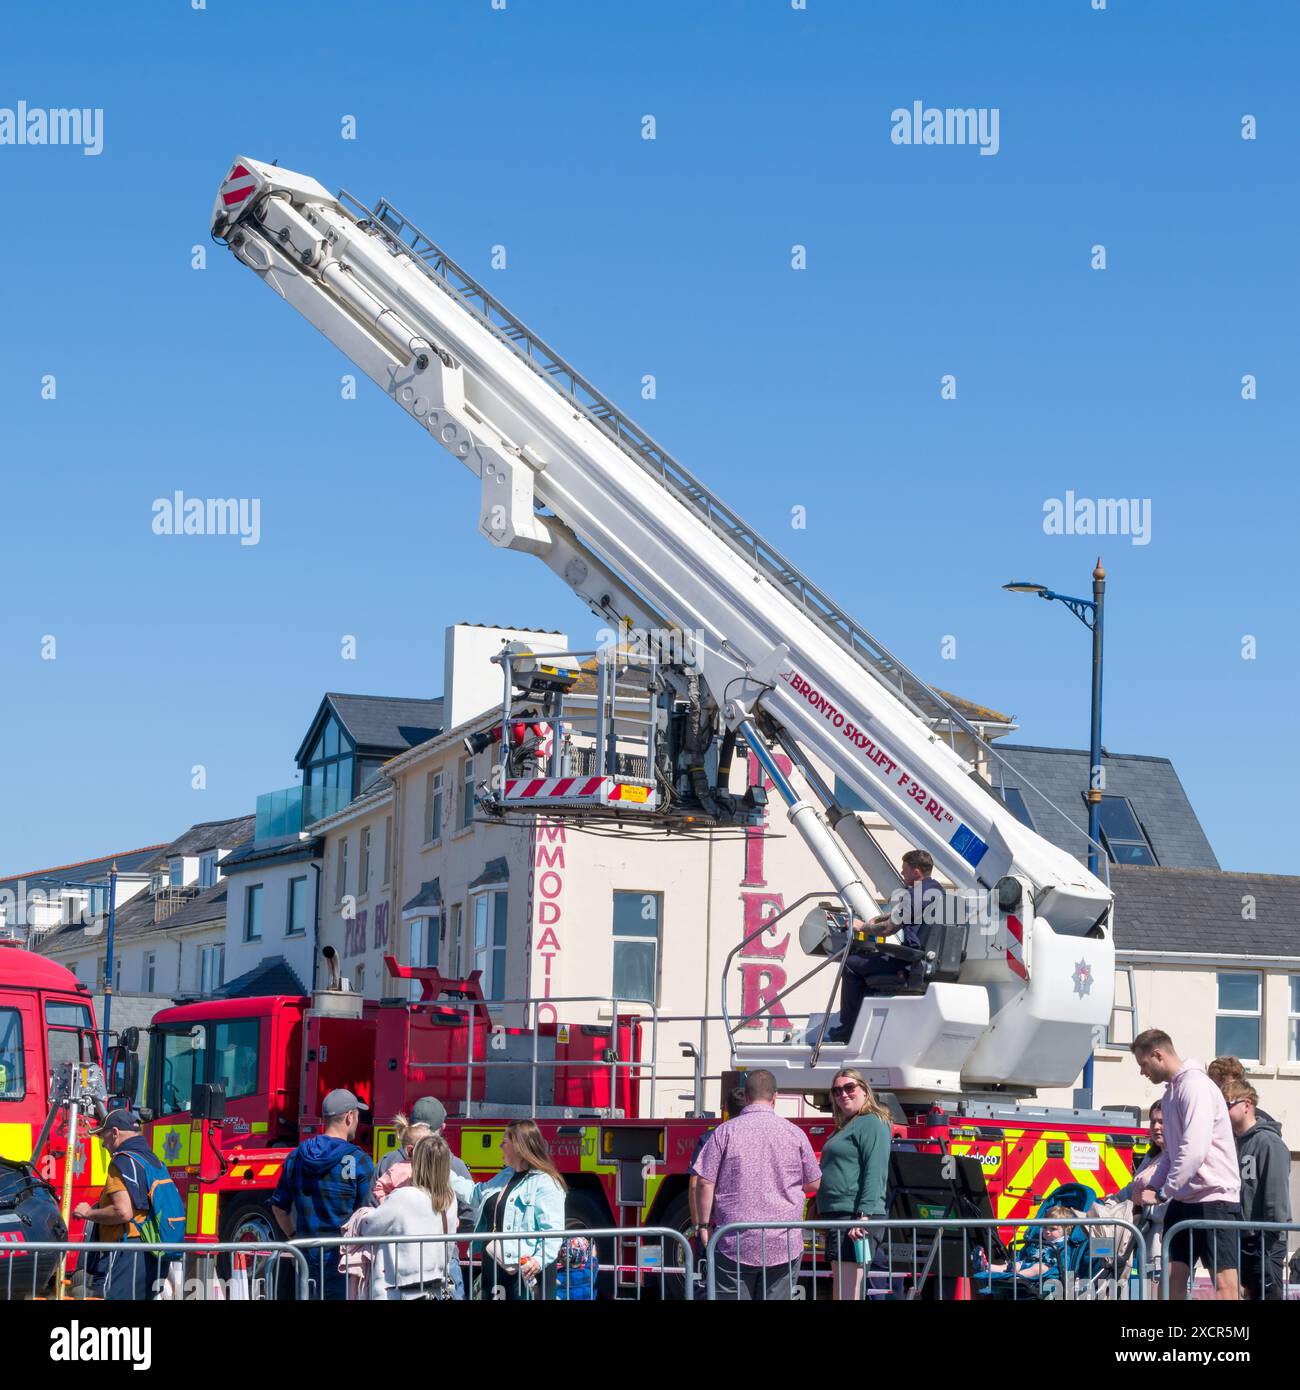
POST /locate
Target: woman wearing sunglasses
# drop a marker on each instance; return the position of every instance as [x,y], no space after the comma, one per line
[855,1167]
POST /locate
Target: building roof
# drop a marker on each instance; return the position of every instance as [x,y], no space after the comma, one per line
[1205,911]
[1150,784]
[208,835]
[130,861]
[251,855]
[430,895]
[494,871]
[271,975]
[378,723]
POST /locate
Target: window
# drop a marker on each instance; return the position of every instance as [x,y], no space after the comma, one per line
[182,1066]
[13,1084]
[388,851]
[636,945]
[99,900]
[101,973]
[341,878]
[208,870]
[1014,800]
[455,950]
[432,807]
[330,762]
[1236,1025]
[253,912]
[235,1056]
[147,974]
[363,865]
[490,942]
[176,873]
[424,947]
[1293,1022]
[466,793]
[212,969]
[62,1040]
[1122,836]
[296,925]
[73,906]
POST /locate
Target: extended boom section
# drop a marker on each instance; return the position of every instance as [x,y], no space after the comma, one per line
[563,475]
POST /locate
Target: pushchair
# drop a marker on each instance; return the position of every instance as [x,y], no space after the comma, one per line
[1074,1260]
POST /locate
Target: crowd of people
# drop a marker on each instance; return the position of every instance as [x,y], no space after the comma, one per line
[1214,1156]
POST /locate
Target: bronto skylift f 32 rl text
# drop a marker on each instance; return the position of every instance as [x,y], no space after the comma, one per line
[1019,976]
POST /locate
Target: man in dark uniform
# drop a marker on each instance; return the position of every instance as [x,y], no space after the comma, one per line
[921,895]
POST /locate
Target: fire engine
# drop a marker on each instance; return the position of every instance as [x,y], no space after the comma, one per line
[1011,981]
[48,1047]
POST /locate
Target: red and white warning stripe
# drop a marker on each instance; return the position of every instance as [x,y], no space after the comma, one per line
[571,788]
[238,185]
[600,791]
[1016,947]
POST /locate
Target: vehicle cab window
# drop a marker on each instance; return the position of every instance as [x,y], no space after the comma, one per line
[69,1033]
[178,1062]
[13,1085]
[236,1056]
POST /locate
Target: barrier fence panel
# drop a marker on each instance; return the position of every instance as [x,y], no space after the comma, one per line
[878,1259]
[139,1272]
[575,1265]
[1246,1259]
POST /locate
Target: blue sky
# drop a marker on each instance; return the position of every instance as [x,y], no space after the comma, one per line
[780,388]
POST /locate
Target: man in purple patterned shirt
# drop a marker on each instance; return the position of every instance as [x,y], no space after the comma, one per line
[757,1167]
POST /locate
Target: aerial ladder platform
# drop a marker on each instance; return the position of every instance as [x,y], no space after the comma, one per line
[1018,978]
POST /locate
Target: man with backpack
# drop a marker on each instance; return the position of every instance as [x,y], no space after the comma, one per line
[139,1205]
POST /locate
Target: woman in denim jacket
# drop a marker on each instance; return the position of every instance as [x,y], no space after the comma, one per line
[526,1196]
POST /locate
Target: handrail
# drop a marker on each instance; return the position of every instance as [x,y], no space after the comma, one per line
[934,1224]
[193,1249]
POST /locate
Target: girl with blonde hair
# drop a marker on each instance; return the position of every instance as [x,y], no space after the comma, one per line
[425,1206]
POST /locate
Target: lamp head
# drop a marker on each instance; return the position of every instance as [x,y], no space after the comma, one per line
[1023,586]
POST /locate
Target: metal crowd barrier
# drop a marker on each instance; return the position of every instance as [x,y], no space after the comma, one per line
[190,1273]
[645,1269]
[939,1261]
[1264,1274]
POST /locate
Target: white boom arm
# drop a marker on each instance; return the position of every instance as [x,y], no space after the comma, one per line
[566,477]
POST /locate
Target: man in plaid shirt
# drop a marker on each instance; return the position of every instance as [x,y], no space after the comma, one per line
[323,1181]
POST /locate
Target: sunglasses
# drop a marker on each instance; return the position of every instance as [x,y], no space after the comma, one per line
[846,1090]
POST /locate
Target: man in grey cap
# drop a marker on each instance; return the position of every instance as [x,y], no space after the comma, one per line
[323,1181]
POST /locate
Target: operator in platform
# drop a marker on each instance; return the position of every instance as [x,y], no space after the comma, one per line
[866,971]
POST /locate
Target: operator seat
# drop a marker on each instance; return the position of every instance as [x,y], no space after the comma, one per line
[939,957]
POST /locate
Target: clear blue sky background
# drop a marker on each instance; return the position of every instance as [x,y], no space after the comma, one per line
[779,388]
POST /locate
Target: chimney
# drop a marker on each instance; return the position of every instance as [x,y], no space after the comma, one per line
[471,684]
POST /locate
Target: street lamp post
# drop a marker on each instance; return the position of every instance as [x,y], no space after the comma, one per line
[1091,613]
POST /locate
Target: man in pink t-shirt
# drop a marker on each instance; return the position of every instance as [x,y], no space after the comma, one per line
[1197,1173]
[757,1167]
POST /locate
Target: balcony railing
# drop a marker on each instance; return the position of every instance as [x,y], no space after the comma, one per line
[292,810]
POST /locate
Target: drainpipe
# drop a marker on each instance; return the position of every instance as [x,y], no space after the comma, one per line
[315,928]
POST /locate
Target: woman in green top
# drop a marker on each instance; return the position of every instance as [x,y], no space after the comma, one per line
[855,1166]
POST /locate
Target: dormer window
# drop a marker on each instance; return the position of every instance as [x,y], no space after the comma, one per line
[208,869]
[176,873]
[330,762]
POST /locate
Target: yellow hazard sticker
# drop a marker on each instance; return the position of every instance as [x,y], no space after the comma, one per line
[563,1034]
[627,792]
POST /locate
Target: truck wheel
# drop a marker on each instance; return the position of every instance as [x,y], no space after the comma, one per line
[582,1212]
[677,1217]
[249,1220]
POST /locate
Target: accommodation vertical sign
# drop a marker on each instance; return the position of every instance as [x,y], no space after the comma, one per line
[545,911]
[762,976]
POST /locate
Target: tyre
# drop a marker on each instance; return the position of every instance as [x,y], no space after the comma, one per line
[677,1217]
[249,1219]
[583,1212]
